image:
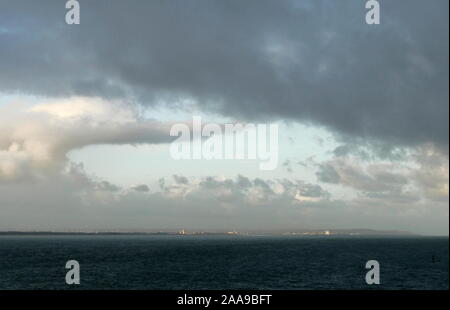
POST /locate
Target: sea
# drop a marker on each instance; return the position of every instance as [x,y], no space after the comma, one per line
[221,262]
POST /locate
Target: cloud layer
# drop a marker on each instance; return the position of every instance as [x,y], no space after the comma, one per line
[312,61]
[71,200]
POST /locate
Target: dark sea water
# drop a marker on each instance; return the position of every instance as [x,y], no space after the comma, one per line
[222,262]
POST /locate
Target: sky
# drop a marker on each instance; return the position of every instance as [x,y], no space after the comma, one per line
[86,112]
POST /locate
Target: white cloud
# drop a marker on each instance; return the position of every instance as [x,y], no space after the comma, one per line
[421,174]
[433,172]
[70,200]
[36,140]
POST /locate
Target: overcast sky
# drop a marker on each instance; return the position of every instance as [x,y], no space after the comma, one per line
[85,112]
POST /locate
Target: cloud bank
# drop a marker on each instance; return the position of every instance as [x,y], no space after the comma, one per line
[310,61]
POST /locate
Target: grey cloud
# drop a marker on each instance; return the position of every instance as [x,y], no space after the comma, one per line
[180,179]
[242,189]
[433,173]
[313,190]
[75,202]
[314,61]
[210,182]
[304,189]
[423,177]
[326,173]
[105,185]
[342,150]
[243,182]
[394,196]
[162,183]
[423,170]
[287,165]
[264,186]
[387,177]
[368,150]
[143,188]
[375,180]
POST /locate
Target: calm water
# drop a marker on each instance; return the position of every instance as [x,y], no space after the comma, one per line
[222,262]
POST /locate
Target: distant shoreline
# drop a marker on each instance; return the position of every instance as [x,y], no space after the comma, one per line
[325,233]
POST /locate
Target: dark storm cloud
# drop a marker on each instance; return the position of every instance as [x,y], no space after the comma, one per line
[314,61]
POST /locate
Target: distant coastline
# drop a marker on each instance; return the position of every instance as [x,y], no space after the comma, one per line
[326,232]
